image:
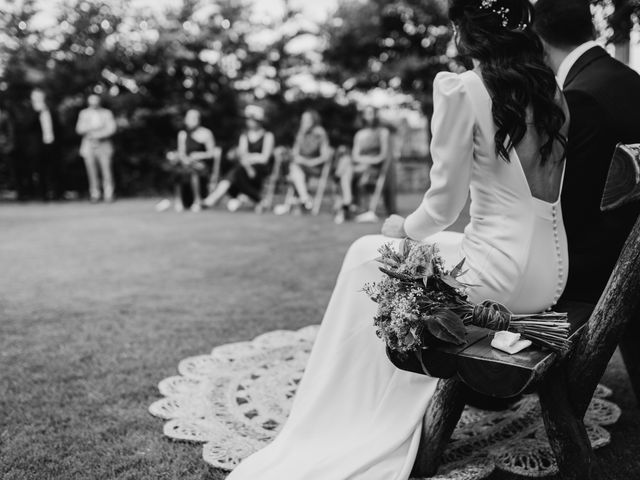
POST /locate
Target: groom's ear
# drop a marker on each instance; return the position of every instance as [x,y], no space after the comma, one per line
[552,55]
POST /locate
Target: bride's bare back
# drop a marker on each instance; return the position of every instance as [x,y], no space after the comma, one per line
[544,179]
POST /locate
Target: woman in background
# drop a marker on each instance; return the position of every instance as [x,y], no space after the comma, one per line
[255,150]
[196,145]
[370,150]
[310,152]
[97,125]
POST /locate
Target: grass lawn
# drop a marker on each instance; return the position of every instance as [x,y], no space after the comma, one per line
[99,303]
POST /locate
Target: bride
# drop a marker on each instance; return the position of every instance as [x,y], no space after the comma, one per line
[499,131]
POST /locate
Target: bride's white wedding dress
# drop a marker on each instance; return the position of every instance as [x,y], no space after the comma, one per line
[355,415]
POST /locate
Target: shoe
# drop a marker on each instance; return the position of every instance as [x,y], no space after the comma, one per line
[178,207]
[234,204]
[209,202]
[282,209]
[196,207]
[343,214]
[367,217]
[163,205]
[308,205]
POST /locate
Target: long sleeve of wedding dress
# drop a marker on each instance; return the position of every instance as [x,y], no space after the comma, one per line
[357,417]
[452,155]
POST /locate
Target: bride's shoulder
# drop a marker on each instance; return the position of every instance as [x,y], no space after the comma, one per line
[452,87]
[450,82]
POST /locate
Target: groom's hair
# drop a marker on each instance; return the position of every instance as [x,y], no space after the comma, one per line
[564,23]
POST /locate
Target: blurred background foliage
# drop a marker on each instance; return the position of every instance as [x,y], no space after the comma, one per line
[218,57]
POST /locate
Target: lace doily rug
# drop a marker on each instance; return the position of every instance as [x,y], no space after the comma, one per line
[236,399]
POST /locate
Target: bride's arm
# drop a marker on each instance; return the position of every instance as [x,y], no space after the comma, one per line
[452,153]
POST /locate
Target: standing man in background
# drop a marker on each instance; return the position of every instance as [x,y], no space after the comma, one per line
[40,149]
[7,142]
[97,125]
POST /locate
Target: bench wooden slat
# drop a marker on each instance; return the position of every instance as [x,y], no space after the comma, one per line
[498,374]
[487,370]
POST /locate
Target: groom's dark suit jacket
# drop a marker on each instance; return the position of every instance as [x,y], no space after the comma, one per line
[603,96]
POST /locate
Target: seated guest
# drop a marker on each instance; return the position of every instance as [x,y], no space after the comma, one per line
[196,145]
[370,150]
[255,150]
[310,152]
[96,125]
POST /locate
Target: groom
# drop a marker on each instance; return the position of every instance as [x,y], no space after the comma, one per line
[603,96]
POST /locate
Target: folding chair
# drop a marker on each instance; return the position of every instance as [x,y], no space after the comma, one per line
[215,169]
[384,186]
[320,190]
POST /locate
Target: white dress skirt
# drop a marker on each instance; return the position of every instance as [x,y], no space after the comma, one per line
[355,415]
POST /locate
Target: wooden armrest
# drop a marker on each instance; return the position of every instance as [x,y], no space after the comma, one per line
[623,179]
[490,371]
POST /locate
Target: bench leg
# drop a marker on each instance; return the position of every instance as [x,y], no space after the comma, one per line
[440,419]
[566,432]
[631,355]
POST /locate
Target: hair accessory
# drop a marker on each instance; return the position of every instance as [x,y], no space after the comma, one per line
[522,26]
[502,12]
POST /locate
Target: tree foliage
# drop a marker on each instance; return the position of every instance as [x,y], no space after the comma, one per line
[619,18]
[217,57]
[401,44]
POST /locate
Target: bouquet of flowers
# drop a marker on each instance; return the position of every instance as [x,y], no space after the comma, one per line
[422,304]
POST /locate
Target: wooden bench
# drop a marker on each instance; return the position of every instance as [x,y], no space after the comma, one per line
[565,383]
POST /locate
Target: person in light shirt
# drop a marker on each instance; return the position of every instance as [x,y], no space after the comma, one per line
[96,125]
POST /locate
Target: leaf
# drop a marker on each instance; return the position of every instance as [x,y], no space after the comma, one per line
[447,326]
[452,282]
[457,270]
[397,275]
[410,340]
[428,269]
[428,273]
[428,340]
[405,247]
[387,261]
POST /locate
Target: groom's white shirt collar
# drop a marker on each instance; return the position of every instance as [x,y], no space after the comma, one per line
[572,58]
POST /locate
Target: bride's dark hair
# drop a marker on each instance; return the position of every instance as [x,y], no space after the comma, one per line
[498,34]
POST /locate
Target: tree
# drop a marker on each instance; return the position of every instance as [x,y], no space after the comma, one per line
[150,70]
[401,44]
[619,18]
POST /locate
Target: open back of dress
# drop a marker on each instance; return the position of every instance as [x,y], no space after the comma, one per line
[544,178]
